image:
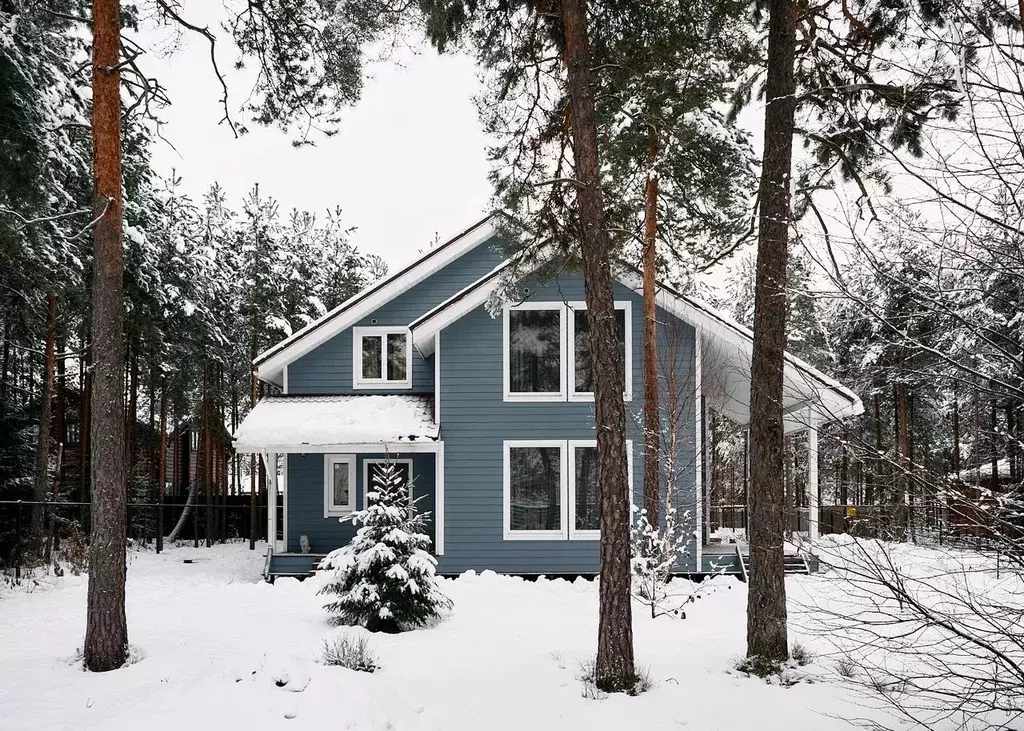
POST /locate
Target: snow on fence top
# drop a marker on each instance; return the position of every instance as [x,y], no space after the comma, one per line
[297,423]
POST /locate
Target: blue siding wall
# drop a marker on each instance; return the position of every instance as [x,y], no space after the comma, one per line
[328,368]
[475,421]
[306,499]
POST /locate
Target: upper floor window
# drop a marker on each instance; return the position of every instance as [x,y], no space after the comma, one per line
[547,351]
[534,352]
[381,357]
[73,432]
[581,373]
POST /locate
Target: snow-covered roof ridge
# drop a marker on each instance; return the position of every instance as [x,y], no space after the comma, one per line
[303,423]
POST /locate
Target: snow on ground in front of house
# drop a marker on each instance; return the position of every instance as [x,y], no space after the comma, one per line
[220,649]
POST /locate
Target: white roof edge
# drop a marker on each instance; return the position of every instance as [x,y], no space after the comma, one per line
[271,362]
[689,309]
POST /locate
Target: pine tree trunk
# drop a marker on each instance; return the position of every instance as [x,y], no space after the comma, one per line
[903,452]
[767,637]
[615,669]
[106,633]
[652,414]
[5,361]
[161,470]
[42,481]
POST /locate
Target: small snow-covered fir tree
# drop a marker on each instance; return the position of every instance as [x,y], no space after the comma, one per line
[384,578]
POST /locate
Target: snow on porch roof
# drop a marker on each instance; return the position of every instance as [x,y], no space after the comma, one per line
[310,423]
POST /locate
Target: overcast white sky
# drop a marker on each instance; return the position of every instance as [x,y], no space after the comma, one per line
[408,164]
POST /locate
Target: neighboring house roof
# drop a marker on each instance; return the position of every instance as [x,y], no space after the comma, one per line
[304,423]
[726,352]
[984,471]
[270,363]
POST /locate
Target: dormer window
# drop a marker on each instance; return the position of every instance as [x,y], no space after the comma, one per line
[382,358]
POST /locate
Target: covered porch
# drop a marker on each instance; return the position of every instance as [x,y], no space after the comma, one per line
[810,400]
[322,455]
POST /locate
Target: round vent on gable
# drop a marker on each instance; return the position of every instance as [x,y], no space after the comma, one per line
[373,321]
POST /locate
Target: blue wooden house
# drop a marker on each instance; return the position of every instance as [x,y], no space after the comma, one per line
[487,409]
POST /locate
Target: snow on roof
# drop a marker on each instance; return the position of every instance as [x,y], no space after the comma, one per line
[305,423]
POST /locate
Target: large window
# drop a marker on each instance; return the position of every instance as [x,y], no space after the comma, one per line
[339,484]
[535,507]
[547,351]
[374,472]
[381,358]
[582,371]
[550,490]
[534,352]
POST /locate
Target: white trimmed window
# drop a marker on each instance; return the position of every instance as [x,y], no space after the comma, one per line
[373,470]
[546,351]
[381,357]
[550,489]
[339,485]
[534,352]
[534,490]
[581,368]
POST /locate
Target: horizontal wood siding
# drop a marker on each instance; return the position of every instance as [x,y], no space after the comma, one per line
[306,499]
[328,368]
[475,422]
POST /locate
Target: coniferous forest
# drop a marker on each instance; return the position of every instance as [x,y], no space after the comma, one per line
[842,178]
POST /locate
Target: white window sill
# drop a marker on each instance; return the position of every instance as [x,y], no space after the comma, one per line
[339,513]
[585,535]
[535,535]
[534,397]
[380,385]
[589,397]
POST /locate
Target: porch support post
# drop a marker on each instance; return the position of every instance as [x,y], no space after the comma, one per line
[270,465]
[812,477]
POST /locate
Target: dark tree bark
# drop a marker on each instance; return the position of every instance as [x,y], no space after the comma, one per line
[5,361]
[162,470]
[615,669]
[106,632]
[652,414]
[767,637]
[42,481]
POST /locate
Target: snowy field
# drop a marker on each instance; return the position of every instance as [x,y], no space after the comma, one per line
[218,648]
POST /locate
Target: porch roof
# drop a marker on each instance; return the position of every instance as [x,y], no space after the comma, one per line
[312,423]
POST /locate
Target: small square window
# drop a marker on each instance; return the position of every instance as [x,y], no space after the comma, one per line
[381,358]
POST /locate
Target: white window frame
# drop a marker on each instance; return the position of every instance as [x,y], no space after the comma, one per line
[535,535]
[382,332]
[627,371]
[382,460]
[330,509]
[506,359]
[591,535]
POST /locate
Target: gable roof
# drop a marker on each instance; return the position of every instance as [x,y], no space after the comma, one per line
[726,348]
[270,363]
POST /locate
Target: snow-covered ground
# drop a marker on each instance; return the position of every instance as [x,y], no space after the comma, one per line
[220,649]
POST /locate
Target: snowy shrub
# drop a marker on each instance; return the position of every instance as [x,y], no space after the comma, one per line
[384,579]
[588,678]
[847,668]
[760,666]
[654,555]
[801,655]
[347,651]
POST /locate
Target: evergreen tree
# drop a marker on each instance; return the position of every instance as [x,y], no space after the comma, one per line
[384,578]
